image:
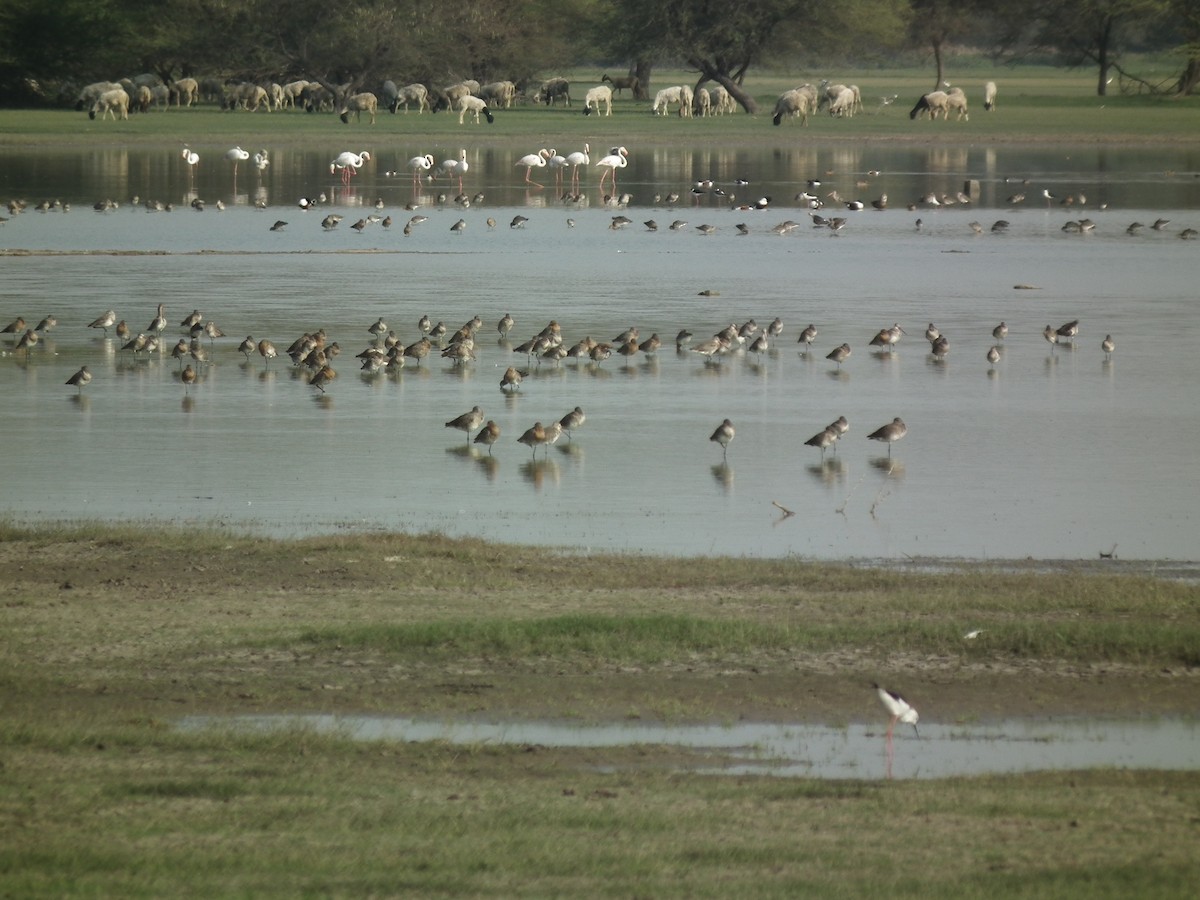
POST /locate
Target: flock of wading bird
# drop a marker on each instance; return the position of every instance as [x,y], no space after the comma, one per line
[312,353]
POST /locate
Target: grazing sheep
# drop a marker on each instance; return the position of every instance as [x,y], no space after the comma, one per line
[247,95]
[293,91]
[412,93]
[621,82]
[498,94]
[989,96]
[686,98]
[664,98]
[722,101]
[471,104]
[316,98]
[956,99]
[109,103]
[275,94]
[448,97]
[801,101]
[186,91]
[358,104]
[212,90]
[160,95]
[140,98]
[932,103]
[843,104]
[554,88]
[703,104]
[91,93]
[595,96]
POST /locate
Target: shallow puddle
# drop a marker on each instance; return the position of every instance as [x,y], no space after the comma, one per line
[798,750]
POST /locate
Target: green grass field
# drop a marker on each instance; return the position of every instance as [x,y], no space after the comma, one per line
[111,634]
[1035,104]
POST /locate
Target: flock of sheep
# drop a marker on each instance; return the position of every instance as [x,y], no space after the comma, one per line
[470,98]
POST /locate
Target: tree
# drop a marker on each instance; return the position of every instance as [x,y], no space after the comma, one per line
[1186,14]
[1094,31]
[936,23]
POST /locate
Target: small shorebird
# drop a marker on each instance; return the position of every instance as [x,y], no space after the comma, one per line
[1108,346]
[511,380]
[889,433]
[889,337]
[839,354]
[712,348]
[80,378]
[723,435]
[505,325]
[572,420]
[188,377]
[267,351]
[1000,332]
[105,321]
[839,426]
[247,347]
[807,336]
[993,355]
[159,323]
[533,437]
[488,435]
[932,333]
[468,421]
[1068,330]
[823,440]
[1050,335]
[321,377]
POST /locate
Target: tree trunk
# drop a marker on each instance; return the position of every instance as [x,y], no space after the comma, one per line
[1102,41]
[939,63]
[642,69]
[709,72]
[1190,78]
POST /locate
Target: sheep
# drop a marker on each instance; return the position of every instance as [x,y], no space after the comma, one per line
[498,94]
[91,93]
[139,97]
[469,103]
[358,104]
[554,88]
[932,103]
[703,104]
[664,98]
[160,95]
[293,91]
[109,102]
[621,82]
[212,90]
[722,101]
[448,97]
[275,93]
[686,97]
[248,95]
[595,96]
[316,97]
[185,89]
[799,101]
[989,96]
[956,99]
[412,93]
[843,103]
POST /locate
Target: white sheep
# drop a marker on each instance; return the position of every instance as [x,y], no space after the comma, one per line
[686,98]
[703,104]
[109,103]
[91,93]
[413,93]
[248,95]
[358,104]
[843,103]
[956,99]
[471,104]
[932,103]
[989,96]
[722,101]
[801,101]
[664,98]
[594,97]
[293,91]
[498,94]
[186,91]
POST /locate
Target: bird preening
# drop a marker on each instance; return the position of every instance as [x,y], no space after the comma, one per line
[900,710]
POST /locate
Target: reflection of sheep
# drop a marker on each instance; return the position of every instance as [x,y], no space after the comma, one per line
[801,101]
[932,103]
[470,104]
[989,96]
[499,94]
[358,104]
[621,82]
[554,88]
[109,103]
[595,96]
[412,93]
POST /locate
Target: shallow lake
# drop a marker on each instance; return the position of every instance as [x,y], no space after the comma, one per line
[803,750]
[1052,452]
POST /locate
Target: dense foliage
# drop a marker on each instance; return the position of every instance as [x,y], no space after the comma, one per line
[44,46]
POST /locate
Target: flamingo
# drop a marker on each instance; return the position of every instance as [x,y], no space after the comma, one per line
[420,164]
[529,161]
[452,167]
[261,160]
[557,162]
[348,162]
[575,160]
[235,156]
[191,157]
[616,159]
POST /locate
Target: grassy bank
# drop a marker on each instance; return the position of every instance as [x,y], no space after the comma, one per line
[111,633]
[1035,105]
